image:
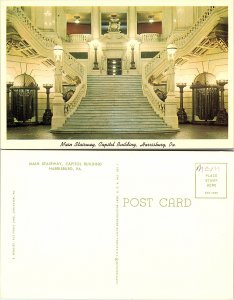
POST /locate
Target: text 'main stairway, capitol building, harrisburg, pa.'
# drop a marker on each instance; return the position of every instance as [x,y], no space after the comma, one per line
[137,70]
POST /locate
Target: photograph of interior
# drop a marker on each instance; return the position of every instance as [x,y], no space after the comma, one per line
[131,72]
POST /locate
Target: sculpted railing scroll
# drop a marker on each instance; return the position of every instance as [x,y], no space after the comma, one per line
[157,104]
[180,41]
[185,42]
[73,103]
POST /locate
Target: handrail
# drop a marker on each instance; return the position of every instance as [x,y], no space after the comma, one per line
[185,42]
[71,65]
[78,67]
[180,41]
[45,45]
[72,104]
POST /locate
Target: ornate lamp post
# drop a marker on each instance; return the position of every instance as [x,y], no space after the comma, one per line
[222,116]
[132,64]
[171,51]
[95,64]
[10,118]
[182,116]
[58,55]
[47,116]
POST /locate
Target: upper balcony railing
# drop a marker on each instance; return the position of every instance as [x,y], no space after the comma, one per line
[143,38]
[149,37]
[79,38]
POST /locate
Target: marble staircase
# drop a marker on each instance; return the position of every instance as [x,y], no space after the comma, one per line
[114,104]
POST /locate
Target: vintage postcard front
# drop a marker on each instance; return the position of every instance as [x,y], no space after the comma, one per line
[108,225]
[100,75]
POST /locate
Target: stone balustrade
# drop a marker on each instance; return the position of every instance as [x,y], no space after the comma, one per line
[157,104]
[79,38]
[149,37]
[71,66]
[72,104]
[184,41]
[180,40]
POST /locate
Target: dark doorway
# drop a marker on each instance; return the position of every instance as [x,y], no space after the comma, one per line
[114,66]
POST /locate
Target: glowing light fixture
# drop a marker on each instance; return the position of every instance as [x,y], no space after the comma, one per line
[77,19]
[47,13]
[95,44]
[151,19]
[132,44]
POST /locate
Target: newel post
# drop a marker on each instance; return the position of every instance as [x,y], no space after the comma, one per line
[58,118]
[171,117]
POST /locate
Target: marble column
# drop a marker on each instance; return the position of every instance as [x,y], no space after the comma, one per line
[95,22]
[171,78]
[184,16]
[58,86]
[132,22]
[195,13]
[61,22]
[167,21]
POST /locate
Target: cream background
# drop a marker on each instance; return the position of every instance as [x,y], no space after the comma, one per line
[65,228]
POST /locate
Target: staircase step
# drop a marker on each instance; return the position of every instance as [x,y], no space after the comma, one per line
[114,104]
[114,121]
[124,90]
[111,126]
[116,109]
[117,89]
[114,101]
[120,126]
[112,115]
[112,130]
[128,83]
[115,97]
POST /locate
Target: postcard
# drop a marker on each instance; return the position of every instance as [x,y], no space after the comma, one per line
[123,75]
[117,225]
